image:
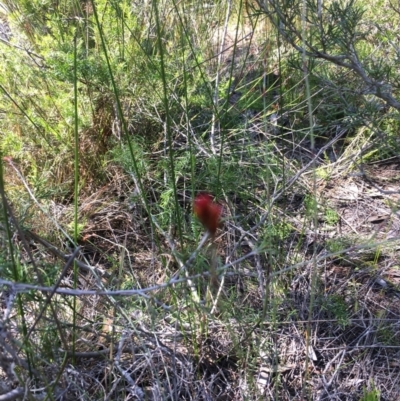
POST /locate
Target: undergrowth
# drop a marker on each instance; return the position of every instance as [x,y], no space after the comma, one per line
[114,116]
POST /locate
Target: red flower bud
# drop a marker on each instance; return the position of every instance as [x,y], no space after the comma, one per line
[207,211]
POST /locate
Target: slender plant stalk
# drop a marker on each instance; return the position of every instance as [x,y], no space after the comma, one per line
[168,120]
[216,117]
[76,189]
[313,265]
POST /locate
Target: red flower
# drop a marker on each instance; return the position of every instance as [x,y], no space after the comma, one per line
[207,211]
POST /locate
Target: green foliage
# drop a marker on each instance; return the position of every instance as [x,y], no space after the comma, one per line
[370,395]
[121,154]
[335,305]
[91,69]
[387,335]
[338,243]
[273,234]
[311,205]
[349,47]
[331,217]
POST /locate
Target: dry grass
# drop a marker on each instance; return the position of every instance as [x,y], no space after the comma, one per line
[261,340]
